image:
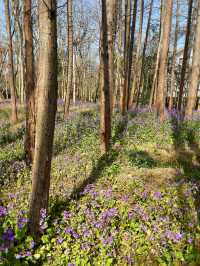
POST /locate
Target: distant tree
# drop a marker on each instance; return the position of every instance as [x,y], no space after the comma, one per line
[105,115]
[29,83]
[47,103]
[164,42]
[70,56]
[194,79]
[10,63]
[185,54]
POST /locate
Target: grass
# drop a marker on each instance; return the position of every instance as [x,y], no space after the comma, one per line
[136,205]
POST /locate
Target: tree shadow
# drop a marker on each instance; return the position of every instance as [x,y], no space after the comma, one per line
[103,162]
[188,157]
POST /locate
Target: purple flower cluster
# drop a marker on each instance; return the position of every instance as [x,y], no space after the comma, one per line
[3,211]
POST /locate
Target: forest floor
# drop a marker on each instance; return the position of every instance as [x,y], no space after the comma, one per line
[137,205]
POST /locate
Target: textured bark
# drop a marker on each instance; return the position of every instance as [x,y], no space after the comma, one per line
[130,57]
[126,53]
[29,84]
[47,104]
[135,87]
[141,75]
[192,93]
[160,98]
[185,54]
[10,63]
[105,120]
[172,85]
[70,56]
[111,5]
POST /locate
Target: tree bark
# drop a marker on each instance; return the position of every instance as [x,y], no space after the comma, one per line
[126,53]
[29,144]
[174,56]
[70,56]
[47,105]
[194,80]
[185,54]
[14,118]
[105,120]
[160,93]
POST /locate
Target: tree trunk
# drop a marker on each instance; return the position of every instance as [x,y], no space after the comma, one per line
[144,50]
[160,97]
[130,57]
[172,85]
[70,56]
[10,63]
[194,80]
[111,28]
[47,105]
[185,54]
[29,144]
[135,87]
[126,53]
[105,120]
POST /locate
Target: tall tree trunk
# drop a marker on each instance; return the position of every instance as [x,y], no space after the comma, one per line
[135,88]
[156,71]
[130,57]
[194,80]
[70,56]
[47,105]
[29,144]
[111,5]
[10,63]
[160,93]
[141,75]
[126,53]
[105,121]
[172,85]
[185,54]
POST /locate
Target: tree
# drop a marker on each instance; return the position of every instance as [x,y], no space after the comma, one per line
[47,104]
[126,54]
[105,117]
[194,79]
[110,19]
[10,63]
[70,56]
[29,83]
[185,54]
[164,42]
[174,56]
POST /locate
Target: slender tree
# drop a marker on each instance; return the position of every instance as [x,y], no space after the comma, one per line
[29,83]
[70,55]
[105,120]
[164,42]
[130,57]
[10,63]
[47,104]
[194,80]
[185,54]
[111,28]
[174,56]
[126,54]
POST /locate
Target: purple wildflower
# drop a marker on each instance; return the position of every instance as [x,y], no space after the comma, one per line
[8,235]
[3,211]
[157,195]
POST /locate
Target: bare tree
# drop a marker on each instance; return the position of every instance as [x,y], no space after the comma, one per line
[185,54]
[164,42]
[194,82]
[70,56]
[47,104]
[29,83]
[105,120]
[10,63]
